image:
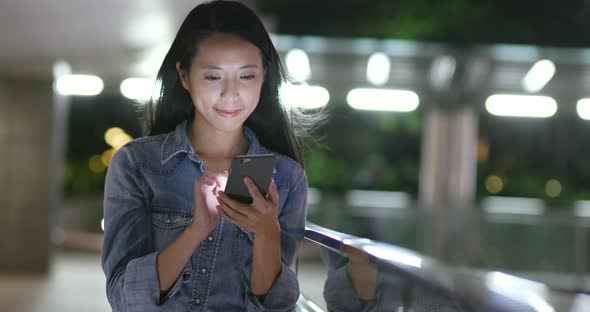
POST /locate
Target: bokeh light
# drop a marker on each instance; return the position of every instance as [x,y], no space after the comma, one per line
[95,164]
[553,188]
[494,184]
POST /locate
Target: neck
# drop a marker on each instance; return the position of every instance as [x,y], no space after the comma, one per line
[213,143]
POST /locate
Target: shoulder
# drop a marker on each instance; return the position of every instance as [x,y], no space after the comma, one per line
[288,172]
[140,150]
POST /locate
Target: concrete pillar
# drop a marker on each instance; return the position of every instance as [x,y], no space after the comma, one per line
[448,179]
[26,173]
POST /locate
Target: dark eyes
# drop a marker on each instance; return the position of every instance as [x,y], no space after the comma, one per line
[245,77]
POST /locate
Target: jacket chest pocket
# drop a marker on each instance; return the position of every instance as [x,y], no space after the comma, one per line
[167,226]
[242,252]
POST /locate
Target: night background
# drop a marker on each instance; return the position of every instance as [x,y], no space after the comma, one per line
[449,179]
[367,150]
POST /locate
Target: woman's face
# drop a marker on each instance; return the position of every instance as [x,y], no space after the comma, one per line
[224,81]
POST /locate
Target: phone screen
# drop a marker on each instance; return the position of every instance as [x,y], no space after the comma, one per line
[258,167]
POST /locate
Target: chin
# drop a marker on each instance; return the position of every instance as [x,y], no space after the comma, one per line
[229,126]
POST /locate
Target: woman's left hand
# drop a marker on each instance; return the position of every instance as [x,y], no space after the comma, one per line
[260,217]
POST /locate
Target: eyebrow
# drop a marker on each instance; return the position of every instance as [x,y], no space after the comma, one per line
[221,68]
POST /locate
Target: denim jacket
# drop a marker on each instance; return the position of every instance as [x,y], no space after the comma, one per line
[148,203]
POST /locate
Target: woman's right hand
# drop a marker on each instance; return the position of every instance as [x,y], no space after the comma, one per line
[205,212]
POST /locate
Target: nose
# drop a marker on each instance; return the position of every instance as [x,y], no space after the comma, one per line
[230,89]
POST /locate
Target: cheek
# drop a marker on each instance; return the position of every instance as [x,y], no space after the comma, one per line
[252,95]
[251,100]
[205,95]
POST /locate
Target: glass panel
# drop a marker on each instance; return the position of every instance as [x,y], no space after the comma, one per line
[340,272]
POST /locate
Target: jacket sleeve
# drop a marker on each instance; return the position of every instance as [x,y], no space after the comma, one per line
[284,293]
[341,296]
[128,256]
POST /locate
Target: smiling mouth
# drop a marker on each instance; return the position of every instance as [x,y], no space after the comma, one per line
[228,113]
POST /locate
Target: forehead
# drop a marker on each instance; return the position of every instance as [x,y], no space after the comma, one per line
[227,49]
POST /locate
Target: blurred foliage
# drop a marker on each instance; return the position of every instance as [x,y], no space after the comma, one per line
[89,119]
[366,150]
[377,151]
[526,153]
[78,179]
[361,150]
[545,22]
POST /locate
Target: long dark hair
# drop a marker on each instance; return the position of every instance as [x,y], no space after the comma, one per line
[277,129]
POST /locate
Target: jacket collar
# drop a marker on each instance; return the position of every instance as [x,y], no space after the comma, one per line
[177,142]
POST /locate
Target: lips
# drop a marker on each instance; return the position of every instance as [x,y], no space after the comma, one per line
[228,113]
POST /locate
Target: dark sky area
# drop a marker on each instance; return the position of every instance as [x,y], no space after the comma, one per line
[543,22]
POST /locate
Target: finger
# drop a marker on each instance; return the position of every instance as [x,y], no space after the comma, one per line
[225,215]
[238,208]
[205,186]
[232,213]
[253,190]
[205,180]
[208,176]
[228,200]
[273,194]
[221,179]
[201,185]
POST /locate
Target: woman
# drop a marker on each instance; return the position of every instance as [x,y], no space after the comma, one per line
[173,240]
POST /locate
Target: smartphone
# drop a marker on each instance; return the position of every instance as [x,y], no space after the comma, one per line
[258,167]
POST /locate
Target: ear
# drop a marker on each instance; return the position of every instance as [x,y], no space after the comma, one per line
[183,77]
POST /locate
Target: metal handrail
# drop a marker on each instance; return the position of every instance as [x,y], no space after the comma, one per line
[478,290]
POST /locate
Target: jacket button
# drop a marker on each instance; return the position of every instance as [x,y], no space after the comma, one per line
[168,221]
[198,301]
[204,270]
[210,238]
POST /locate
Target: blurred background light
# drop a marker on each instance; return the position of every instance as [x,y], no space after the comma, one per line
[85,85]
[494,184]
[394,254]
[61,68]
[116,138]
[150,60]
[149,29]
[538,76]
[383,100]
[583,108]
[298,65]
[95,164]
[553,188]
[378,67]
[581,303]
[513,205]
[151,35]
[304,96]
[107,156]
[582,208]
[531,293]
[521,105]
[139,89]
[442,71]
[314,197]
[378,199]
[483,150]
